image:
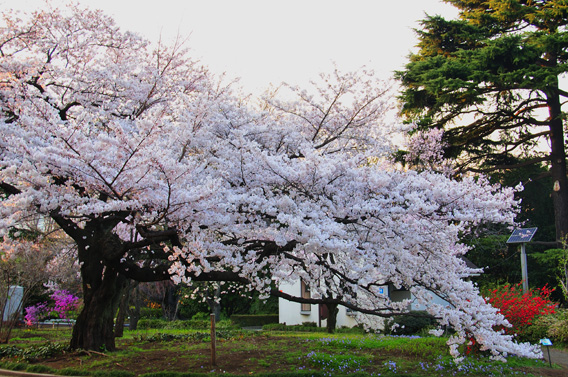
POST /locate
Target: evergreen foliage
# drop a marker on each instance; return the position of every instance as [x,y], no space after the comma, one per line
[491,80]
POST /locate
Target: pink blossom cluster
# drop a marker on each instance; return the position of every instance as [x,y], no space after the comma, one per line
[36,313]
[65,302]
[427,148]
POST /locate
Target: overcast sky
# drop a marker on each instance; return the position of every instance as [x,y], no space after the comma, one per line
[270,41]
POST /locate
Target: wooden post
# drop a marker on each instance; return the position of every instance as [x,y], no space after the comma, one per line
[213,350]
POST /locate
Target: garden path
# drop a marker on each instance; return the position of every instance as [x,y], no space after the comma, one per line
[557,356]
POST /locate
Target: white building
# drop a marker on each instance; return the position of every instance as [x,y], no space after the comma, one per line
[293,313]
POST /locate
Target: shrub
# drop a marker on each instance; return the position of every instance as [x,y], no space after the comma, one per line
[173,374]
[33,353]
[65,304]
[309,324]
[13,366]
[151,313]
[73,372]
[414,323]
[283,327]
[350,330]
[193,324]
[227,325]
[244,320]
[38,368]
[192,336]
[558,327]
[201,316]
[150,323]
[537,330]
[521,309]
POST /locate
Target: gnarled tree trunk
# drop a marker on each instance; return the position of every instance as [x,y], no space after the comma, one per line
[102,290]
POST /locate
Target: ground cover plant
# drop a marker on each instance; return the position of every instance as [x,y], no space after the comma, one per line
[183,352]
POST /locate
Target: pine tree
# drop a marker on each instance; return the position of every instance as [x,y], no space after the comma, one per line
[491,80]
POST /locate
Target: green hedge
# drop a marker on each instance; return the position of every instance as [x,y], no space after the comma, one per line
[151,323]
[311,327]
[193,324]
[283,327]
[245,320]
[410,325]
[151,313]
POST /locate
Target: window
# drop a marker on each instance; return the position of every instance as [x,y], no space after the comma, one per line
[350,312]
[305,294]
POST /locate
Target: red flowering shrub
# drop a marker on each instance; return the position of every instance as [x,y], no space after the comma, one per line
[521,309]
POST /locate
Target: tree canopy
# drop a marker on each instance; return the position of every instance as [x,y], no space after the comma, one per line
[157,170]
[491,81]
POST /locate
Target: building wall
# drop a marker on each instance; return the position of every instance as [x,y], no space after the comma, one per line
[400,295]
[290,313]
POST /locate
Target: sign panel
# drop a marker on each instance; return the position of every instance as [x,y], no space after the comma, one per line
[545,342]
[522,235]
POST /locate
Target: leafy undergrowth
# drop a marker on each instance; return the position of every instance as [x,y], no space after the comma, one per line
[183,353]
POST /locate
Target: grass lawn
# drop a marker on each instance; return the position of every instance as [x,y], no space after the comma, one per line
[187,352]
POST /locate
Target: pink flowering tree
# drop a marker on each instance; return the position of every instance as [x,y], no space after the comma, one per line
[24,257]
[91,138]
[64,302]
[157,171]
[36,313]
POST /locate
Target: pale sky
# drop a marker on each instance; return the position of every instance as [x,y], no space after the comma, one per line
[270,41]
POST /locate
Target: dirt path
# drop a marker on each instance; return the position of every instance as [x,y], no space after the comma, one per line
[557,356]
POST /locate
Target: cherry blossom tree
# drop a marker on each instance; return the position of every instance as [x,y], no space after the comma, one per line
[313,199]
[90,139]
[157,170]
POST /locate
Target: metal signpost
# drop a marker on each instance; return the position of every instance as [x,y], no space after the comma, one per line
[523,236]
[546,342]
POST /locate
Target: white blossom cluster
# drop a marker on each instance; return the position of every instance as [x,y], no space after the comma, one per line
[97,123]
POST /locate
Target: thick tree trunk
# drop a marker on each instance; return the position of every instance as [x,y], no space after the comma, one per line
[332,310]
[102,291]
[104,272]
[170,302]
[558,167]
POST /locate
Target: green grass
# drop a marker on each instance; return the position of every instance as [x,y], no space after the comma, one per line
[271,354]
[28,339]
